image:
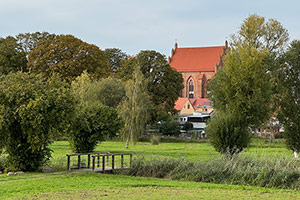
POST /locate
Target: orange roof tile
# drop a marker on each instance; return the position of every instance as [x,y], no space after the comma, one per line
[200,102]
[179,103]
[196,59]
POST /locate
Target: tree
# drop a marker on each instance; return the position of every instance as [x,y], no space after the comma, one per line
[92,125]
[69,57]
[32,112]
[116,57]
[162,82]
[187,126]
[227,132]
[289,98]
[93,120]
[243,87]
[28,41]
[107,91]
[135,109]
[12,57]
[170,127]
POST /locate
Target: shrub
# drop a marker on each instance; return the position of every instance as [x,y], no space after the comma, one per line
[155,140]
[228,134]
[278,172]
[2,162]
[170,127]
[91,125]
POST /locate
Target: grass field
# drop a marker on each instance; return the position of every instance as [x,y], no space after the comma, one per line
[83,185]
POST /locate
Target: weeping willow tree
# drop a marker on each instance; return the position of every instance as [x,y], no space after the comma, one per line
[135,109]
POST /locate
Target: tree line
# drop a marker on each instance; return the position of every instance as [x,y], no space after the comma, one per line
[58,85]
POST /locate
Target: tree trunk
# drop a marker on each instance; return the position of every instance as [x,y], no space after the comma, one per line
[296,155]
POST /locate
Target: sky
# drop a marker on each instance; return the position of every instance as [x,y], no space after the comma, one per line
[135,25]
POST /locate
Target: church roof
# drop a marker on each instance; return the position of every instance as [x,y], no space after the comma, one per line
[196,58]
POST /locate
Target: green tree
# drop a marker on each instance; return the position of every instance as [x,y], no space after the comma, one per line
[244,86]
[135,109]
[289,87]
[170,127]
[187,126]
[69,57]
[12,57]
[93,120]
[116,58]
[162,82]
[32,112]
[107,91]
[28,41]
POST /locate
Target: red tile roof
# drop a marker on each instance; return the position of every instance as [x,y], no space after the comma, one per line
[196,59]
[179,103]
[200,102]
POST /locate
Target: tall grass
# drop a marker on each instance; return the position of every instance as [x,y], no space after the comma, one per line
[277,172]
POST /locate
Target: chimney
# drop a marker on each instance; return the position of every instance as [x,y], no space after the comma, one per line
[176,45]
[226,44]
[173,52]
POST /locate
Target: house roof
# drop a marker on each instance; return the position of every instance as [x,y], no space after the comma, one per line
[180,103]
[195,102]
[196,58]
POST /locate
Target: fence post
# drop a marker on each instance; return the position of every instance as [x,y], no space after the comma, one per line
[79,161]
[98,160]
[103,163]
[130,160]
[113,162]
[89,160]
[107,160]
[93,163]
[68,163]
[122,160]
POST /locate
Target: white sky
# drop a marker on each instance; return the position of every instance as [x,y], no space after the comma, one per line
[134,25]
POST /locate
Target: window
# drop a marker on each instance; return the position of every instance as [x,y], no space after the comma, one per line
[188,106]
[191,89]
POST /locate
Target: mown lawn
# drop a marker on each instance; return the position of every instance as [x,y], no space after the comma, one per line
[85,185]
[191,151]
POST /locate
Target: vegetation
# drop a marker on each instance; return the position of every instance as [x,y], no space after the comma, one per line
[243,88]
[93,120]
[69,57]
[135,109]
[32,112]
[12,57]
[289,86]
[170,127]
[86,185]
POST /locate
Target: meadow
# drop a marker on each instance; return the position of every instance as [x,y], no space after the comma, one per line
[87,185]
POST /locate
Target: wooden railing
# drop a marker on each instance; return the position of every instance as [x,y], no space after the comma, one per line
[106,165]
[101,161]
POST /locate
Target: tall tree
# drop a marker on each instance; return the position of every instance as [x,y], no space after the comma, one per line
[135,110]
[243,87]
[28,41]
[69,57]
[162,82]
[289,87]
[12,57]
[116,58]
[93,120]
[32,112]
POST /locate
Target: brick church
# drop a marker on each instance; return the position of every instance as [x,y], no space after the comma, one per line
[197,66]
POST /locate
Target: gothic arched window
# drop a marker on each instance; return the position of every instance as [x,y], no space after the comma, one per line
[191,89]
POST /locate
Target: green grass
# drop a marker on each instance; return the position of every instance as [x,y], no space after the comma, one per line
[84,185]
[191,151]
[70,185]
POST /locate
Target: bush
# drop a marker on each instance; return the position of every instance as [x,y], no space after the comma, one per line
[91,125]
[2,162]
[278,172]
[155,140]
[228,134]
[170,127]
